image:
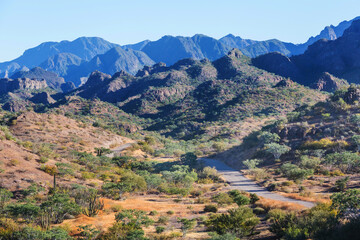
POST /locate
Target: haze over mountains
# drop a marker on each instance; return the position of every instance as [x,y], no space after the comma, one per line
[75,60]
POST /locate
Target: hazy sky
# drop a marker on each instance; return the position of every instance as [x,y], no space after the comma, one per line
[27,23]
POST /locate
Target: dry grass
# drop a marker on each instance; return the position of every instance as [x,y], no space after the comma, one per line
[314,198]
[162,205]
[269,204]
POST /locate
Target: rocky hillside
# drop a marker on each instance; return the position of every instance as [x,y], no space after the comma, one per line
[187,97]
[12,85]
[53,81]
[34,141]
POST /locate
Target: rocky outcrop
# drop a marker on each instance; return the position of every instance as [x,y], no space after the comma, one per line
[37,73]
[284,83]
[11,85]
[352,95]
[329,83]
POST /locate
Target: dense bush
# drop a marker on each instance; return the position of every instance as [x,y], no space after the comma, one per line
[347,161]
[210,208]
[293,172]
[223,199]
[316,223]
[240,222]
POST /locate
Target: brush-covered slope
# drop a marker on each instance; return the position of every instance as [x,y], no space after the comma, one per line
[318,148]
[185,98]
[34,141]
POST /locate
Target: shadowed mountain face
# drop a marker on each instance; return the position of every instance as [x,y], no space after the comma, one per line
[339,58]
[193,93]
[61,63]
[115,60]
[171,49]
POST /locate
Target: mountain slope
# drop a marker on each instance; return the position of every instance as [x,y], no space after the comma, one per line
[232,41]
[85,48]
[171,49]
[339,58]
[115,60]
[331,32]
[60,63]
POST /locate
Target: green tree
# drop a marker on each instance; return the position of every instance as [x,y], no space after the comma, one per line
[268,137]
[277,149]
[252,163]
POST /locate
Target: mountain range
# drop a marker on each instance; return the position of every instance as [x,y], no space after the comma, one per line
[75,60]
[339,57]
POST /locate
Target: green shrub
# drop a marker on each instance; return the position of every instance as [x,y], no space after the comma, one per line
[160,229]
[210,208]
[241,221]
[241,200]
[341,184]
[293,172]
[163,220]
[259,211]
[254,198]
[223,199]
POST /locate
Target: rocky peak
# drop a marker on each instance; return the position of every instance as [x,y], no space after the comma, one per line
[147,70]
[235,53]
[96,78]
[120,74]
[184,63]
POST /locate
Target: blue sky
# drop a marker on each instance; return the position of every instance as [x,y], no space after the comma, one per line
[25,24]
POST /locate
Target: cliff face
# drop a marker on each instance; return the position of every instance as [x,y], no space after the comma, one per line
[11,85]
